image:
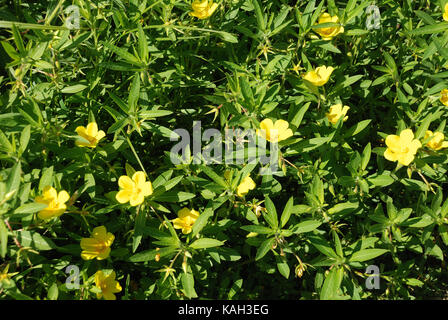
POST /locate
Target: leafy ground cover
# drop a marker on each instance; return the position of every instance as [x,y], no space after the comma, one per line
[349,98]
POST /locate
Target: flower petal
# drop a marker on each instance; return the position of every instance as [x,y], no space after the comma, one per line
[63,197]
[139,178]
[406,136]
[92,129]
[136,199]
[126,183]
[123,196]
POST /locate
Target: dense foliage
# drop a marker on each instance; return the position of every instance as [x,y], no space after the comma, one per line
[93,205]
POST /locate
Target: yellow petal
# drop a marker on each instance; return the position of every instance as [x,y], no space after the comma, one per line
[212,8]
[99,277]
[393,142]
[109,295]
[92,129]
[63,197]
[99,233]
[414,146]
[136,199]
[49,193]
[139,178]
[178,223]
[183,213]
[147,188]
[405,158]
[90,244]
[406,136]
[100,135]
[82,131]
[89,255]
[428,134]
[186,230]
[126,183]
[104,254]
[389,155]
[123,196]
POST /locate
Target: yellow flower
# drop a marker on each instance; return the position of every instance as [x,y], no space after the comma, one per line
[244,187]
[134,190]
[436,142]
[444,96]
[445,13]
[55,202]
[336,111]
[186,219]
[402,148]
[274,132]
[330,32]
[98,246]
[90,135]
[107,284]
[318,77]
[203,9]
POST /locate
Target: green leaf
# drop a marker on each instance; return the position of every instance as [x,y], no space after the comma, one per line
[282,266]
[215,177]
[5,145]
[227,37]
[74,88]
[134,93]
[247,92]
[142,44]
[30,208]
[259,15]
[418,222]
[381,180]
[331,284]
[46,178]
[435,28]
[203,243]
[257,229]
[35,240]
[174,196]
[323,246]
[287,212]
[270,215]
[357,128]
[187,281]
[13,181]
[366,254]
[201,222]
[53,292]
[366,156]
[264,248]
[122,53]
[3,239]
[306,226]
[154,113]
[150,255]
[139,228]
[24,138]
[343,208]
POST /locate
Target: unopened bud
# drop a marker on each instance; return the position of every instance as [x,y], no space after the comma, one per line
[9,195]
